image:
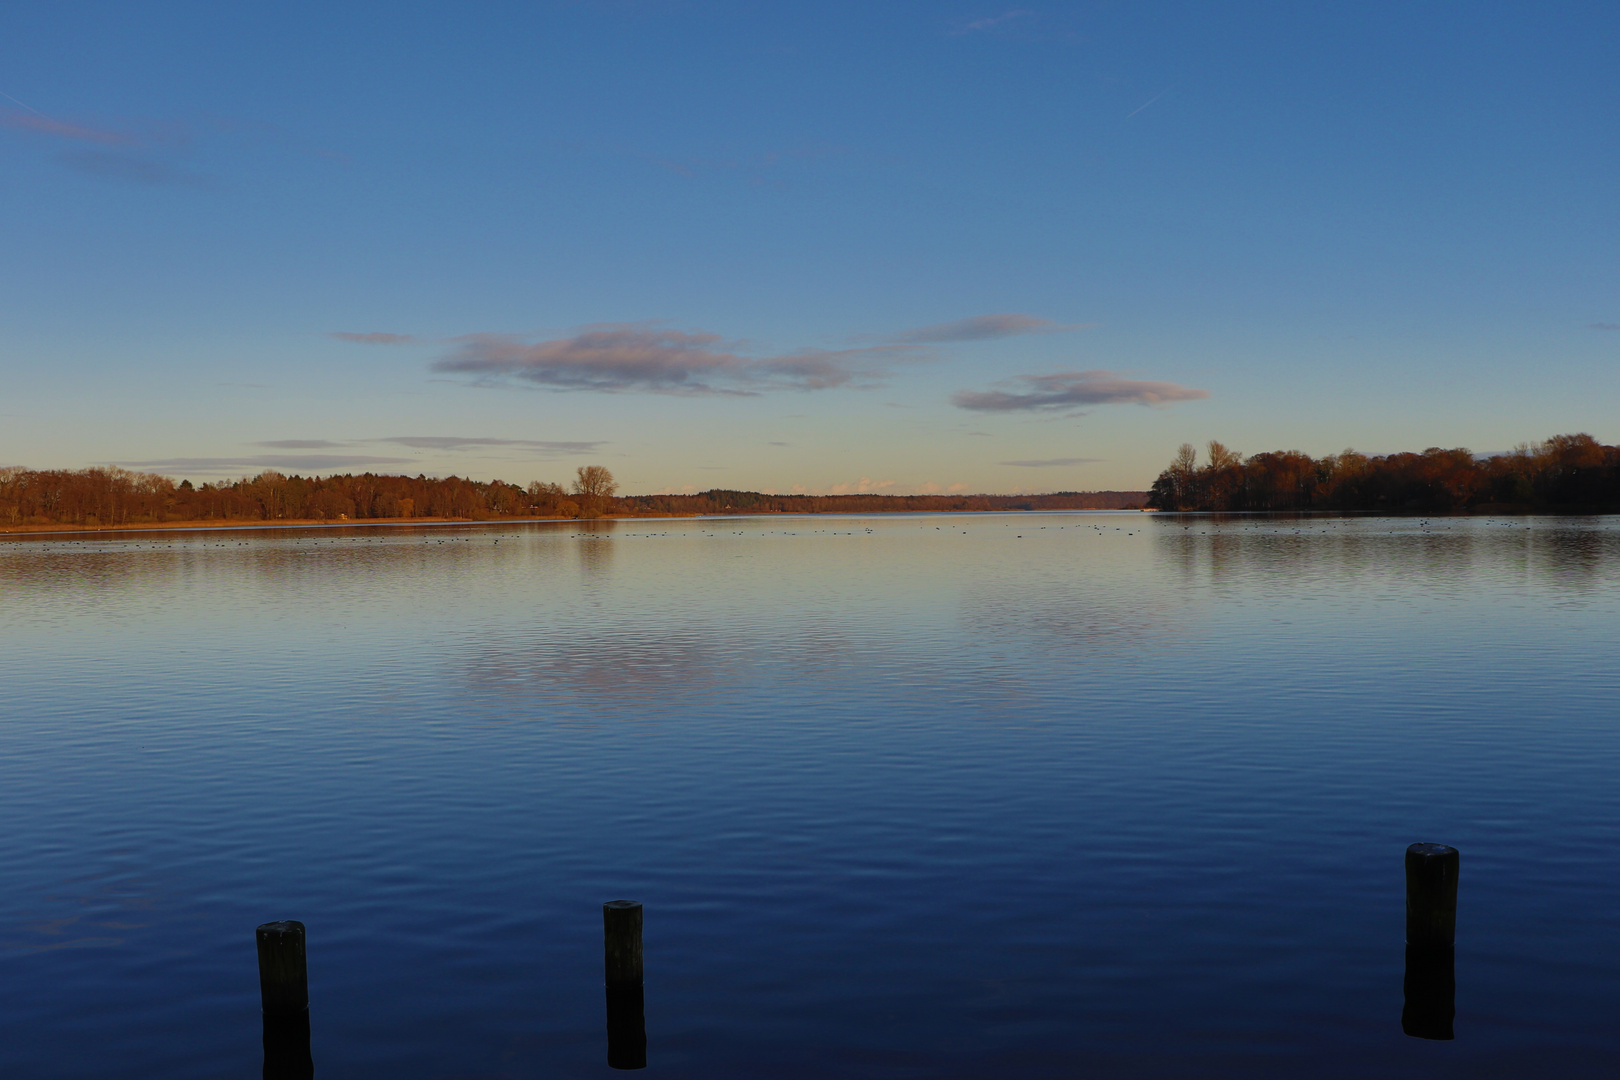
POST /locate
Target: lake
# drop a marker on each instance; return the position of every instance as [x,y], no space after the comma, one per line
[1025,795]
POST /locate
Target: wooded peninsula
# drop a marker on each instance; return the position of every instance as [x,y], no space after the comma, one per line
[1573,473]
[102,498]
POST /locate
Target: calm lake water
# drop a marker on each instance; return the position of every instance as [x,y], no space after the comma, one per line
[958,796]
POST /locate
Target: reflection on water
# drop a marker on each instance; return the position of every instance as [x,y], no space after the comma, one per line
[975,795]
[286,1047]
[1430,990]
[1572,553]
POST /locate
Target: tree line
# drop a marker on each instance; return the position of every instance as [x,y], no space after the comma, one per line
[110,497]
[723,501]
[1573,472]
[102,497]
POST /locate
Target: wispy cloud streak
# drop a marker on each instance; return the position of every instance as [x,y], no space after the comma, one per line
[986,328]
[540,448]
[1149,101]
[546,447]
[40,124]
[993,22]
[1048,463]
[114,155]
[138,169]
[373,338]
[291,462]
[1064,390]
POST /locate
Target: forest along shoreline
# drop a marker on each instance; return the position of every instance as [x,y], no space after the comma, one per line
[118,500]
[1565,474]
[207,525]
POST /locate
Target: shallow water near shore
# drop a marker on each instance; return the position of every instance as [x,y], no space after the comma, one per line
[912,796]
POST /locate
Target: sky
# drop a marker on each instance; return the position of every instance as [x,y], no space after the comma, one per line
[825,247]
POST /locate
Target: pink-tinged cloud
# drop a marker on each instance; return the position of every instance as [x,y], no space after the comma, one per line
[534,448]
[986,328]
[307,463]
[617,358]
[529,448]
[44,125]
[1072,389]
[373,339]
[1050,463]
[868,486]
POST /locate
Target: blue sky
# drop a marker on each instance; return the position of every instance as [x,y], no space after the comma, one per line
[824,247]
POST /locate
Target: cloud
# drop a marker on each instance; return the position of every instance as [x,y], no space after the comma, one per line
[141,170]
[759,168]
[993,22]
[373,338]
[539,448]
[867,486]
[544,447]
[149,153]
[1603,326]
[1149,101]
[864,486]
[621,357]
[1047,463]
[986,328]
[1069,389]
[291,462]
[41,124]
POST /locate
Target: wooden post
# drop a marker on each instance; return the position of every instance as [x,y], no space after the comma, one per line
[1431,896]
[1430,986]
[284,994]
[283,976]
[621,931]
[627,1028]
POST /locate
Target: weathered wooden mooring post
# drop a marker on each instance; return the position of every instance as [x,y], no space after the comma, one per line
[626,1019]
[1431,895]
[1431,932]
[284,996]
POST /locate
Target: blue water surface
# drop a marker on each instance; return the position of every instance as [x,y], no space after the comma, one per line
[1102,794]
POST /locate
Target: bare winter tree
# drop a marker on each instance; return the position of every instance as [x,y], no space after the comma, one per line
[593,487]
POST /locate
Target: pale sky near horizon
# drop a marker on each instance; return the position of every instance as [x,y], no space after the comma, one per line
[824,247]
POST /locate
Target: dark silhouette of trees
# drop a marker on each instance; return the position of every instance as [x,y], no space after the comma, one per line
[725,501]
[112,497]
[1566,472]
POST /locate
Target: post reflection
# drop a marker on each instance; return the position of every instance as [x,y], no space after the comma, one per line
[1431,992]
[626,1028]
[286,1047]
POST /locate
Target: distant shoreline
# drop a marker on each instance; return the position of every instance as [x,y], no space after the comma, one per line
[205,524]
[107,499]
[257,524]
